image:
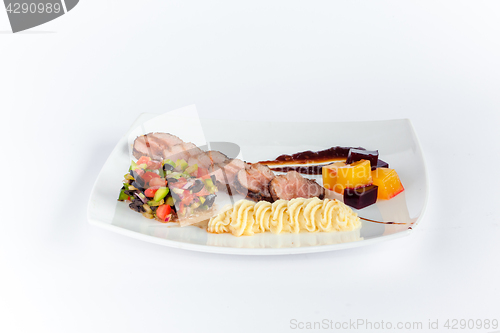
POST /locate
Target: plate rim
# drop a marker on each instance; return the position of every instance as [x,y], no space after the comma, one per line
[256,251]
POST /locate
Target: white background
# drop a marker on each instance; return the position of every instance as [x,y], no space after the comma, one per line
[70,89]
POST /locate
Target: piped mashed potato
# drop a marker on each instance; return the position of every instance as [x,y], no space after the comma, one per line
[247,218]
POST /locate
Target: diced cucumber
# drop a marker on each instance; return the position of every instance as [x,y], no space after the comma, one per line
[170,201]
[181,165]
[177,190]
[122,196]
[209,183]
[172,163]
[191,169]
[175,175]
[160,193]
[153,203]
[202,200]
[134,166]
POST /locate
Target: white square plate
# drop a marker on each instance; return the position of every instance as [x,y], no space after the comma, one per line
[394,139]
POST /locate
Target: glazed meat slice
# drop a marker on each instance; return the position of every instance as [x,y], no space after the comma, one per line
[181,151]
[208,159]
[165,140]
[231,169]
[217,157]
[253,181]
[160,146]
[153,144]
[202,160]
[145,146]
[191,149]
[175,153]
[225,172]
[293,185]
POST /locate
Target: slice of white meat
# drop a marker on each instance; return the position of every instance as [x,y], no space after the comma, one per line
[253,181]
[191,149]
[181,151]
[217,157]
[202,160]
[225,172]
[165,139]
[175,153]
[144,146]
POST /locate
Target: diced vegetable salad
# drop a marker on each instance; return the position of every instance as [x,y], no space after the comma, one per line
[167,190]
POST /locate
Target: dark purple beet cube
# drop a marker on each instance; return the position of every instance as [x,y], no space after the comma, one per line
[381,164]
[358,155]
[361,197]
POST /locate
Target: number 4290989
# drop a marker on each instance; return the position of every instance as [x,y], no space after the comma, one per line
[24,8]
[455,324]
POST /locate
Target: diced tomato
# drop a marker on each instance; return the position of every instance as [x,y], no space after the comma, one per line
[178,184]
[202,172]
[139,171]
[153,165]
[157,182]
[187,199]
[203,192]
[205,177]
[163,212]
[143,160]
[149,175]
[150,192]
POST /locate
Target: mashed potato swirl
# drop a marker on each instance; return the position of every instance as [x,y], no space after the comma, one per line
[262,215]
[242,218]
[220,223]
[247,218]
